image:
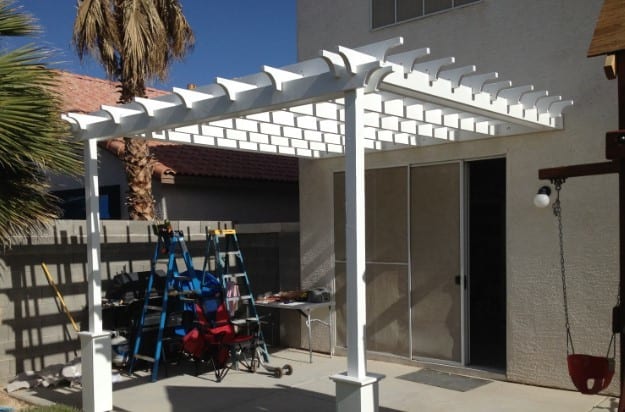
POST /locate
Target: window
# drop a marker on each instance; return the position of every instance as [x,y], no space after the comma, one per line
[73,203]
[386,12]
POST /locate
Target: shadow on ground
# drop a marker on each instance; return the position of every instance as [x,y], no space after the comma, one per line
[212,396]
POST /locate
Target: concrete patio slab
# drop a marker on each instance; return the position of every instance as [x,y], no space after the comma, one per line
[310,389]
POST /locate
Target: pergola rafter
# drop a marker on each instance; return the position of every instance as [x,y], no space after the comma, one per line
[340,103]
[298,110]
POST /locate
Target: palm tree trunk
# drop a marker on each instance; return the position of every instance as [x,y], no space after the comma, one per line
[138,162]
[139,168]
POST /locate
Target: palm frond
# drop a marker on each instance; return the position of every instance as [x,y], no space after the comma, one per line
[30,121]
[13,22]
[96,33]
[26,206]
[34,141]
[134,40]
[179,33]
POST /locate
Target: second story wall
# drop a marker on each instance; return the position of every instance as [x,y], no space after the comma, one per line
[538,42]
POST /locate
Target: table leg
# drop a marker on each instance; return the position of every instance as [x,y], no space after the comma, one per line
[330,331]
[307,314]
[308,325]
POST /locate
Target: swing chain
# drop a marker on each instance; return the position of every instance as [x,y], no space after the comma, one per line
[557,211]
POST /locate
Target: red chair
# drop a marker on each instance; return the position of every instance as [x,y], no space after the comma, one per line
[214,340]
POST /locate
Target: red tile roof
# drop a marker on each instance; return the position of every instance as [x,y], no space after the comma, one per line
[186,160]
[86,94]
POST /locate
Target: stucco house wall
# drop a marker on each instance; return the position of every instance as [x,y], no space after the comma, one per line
[543,43]
[111,173]
[237,200]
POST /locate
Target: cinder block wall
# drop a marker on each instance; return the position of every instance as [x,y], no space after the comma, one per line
[34,331]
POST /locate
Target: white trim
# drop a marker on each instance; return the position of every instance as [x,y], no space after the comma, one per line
[462,203]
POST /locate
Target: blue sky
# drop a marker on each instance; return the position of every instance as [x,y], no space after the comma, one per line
[233,38]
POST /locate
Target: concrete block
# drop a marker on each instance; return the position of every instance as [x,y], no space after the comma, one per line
[140,230]
[7,334]
[191,230]
[208,225]
[115,231]
[7,370]
[68,232]
[5,304]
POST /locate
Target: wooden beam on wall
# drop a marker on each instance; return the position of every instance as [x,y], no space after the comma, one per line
[578,170]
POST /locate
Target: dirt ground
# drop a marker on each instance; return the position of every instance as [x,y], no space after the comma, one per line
[8,400]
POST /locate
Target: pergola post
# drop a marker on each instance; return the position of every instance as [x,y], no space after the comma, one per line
[95,345]
[355,391]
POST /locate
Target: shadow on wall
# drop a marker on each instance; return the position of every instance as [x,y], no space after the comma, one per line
[34,329]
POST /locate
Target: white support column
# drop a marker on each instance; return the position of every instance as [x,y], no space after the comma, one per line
[355,233]
[355,391]
[97,383]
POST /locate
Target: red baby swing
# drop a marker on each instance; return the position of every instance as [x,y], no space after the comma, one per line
[590,374]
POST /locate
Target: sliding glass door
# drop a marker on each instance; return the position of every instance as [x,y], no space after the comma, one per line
[435,256]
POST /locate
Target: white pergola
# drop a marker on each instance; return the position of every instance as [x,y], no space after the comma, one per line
[341,103]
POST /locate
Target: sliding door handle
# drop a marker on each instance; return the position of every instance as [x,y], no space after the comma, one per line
[458,278]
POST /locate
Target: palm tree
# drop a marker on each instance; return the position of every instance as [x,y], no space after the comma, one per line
[34,141]
[135,41]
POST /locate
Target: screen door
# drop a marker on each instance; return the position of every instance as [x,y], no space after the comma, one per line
[435,253]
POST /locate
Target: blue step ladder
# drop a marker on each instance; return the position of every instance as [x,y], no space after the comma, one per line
[178,287]
[224,259]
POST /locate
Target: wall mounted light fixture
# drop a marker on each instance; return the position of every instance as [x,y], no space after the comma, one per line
[542,197]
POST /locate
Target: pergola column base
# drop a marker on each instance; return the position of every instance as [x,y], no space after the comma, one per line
[355,394]
[97,379]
